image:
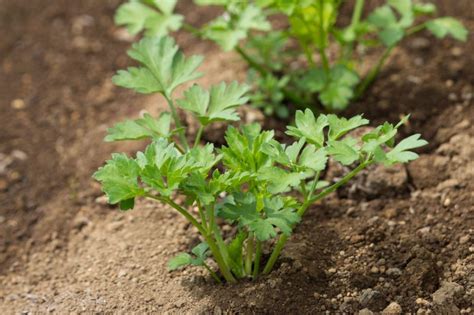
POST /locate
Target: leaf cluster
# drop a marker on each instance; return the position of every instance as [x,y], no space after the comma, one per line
[255,183]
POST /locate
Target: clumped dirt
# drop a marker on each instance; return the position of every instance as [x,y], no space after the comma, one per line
[394,239]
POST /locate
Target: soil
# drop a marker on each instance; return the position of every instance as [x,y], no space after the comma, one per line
[403,236]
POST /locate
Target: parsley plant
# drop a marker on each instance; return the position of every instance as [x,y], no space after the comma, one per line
[324,81]
[255,183]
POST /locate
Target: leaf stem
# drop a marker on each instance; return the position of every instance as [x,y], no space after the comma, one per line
[258,255]
[323,34]
[252,63]
[288,93]
[249,254]
[198,136]
[301,211]
[213,274]
[177,122]
[356,15]
[373,73]
[209,240]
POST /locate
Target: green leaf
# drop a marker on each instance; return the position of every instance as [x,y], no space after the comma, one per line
[338,127]
[314,159]
[165,6]
[391,31]
[279,180]
[139,79]
[339,91]
[401,154]
[244,149]
[344,151]
[164,168]
[391,35]
[308,127]
[201,250]
[405,8]
[275,213]
[293,150]
[127,204]
[314,80]
[235,253]
[383,17]
[211,2]
[336,96]
[164,67]
[146,127]
[263,229]
[137,16]
[181,260]
[424,8]
[217,105]
[442,27]
[227,31]
[119,178]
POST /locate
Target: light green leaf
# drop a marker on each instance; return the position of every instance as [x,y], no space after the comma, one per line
[227,31]
[405,8]
[279,180]
[139,79]
[308,127]
[181,260]
[338,127]
[263,229]
[165,6]
[400,152]
[137,16]
[391,35]
[344,151]
[119,178]
[337,94]
[442,27]
[164,67]
[424,8]
[293,150]
[146,127]
[217,105]
[314,159]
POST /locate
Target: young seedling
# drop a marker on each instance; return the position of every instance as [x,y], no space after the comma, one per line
[255,183]
[329,80]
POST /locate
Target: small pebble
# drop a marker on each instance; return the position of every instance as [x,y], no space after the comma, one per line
[464,239]
[18,104]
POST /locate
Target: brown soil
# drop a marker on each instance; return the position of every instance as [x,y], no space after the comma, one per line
[396,235]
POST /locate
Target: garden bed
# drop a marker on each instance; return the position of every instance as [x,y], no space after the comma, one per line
[405,236]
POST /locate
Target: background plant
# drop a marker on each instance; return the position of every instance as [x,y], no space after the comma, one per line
[324,81]
[258,185]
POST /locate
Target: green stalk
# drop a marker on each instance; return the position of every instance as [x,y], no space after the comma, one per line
[258,255]
[356,15]
[209,240]
[308,54]
[249,254]
[203,216]
[252,63]
[198,136]
[213,274]
[373,73]
[323,34]
[177,122]
[301,211]
[289,94]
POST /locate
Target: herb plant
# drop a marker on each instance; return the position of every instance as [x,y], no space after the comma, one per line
[328,79]
[255,183]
